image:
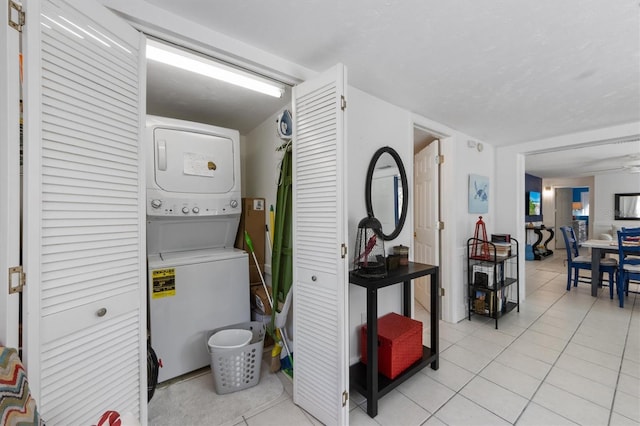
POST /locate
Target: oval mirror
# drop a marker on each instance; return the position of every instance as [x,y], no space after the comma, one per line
[386,193]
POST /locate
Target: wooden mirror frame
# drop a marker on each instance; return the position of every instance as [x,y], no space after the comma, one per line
[405,190]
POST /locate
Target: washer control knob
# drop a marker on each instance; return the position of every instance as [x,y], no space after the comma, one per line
[156,204]
[233,204]
[185,210]
[196,210]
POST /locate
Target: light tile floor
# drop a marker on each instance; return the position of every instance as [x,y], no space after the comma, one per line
[566,358]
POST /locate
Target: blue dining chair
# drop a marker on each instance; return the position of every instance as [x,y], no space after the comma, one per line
[628,260]
[575,262]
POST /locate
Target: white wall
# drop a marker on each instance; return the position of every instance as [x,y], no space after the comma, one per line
[372,124]
[605,187]
[261,168]
[465,160]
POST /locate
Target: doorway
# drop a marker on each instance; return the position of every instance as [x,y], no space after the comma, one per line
[572,208]
[426,186]
[563,215]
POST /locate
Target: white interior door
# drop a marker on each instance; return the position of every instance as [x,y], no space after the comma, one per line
[564,214]
[85,316]
[9,177]
[320,301]
[426,235]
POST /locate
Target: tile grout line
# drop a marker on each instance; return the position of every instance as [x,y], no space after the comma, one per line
[624,349]
[494,358]
[561,352]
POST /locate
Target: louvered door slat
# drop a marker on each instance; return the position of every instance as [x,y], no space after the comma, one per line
[58,84]
[91,63]
[71,370]
[319,271]
[56,124]
[91,279]
[61,102]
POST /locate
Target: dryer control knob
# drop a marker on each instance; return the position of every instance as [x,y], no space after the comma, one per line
[156,204]
[185,210]
[196,210]
[233,204]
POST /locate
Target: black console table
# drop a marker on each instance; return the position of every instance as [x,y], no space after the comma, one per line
[541,251]
[365,378]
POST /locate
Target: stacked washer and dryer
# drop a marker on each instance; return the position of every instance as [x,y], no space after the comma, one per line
[197,280]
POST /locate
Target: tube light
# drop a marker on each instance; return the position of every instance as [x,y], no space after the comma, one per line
[187,61]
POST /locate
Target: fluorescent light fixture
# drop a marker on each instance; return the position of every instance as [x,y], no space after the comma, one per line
[187,61]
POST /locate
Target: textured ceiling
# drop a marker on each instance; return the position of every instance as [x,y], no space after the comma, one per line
[501,71]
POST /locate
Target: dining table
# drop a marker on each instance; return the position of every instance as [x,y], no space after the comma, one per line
[598,249]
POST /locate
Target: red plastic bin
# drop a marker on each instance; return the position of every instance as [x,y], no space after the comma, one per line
[399,344]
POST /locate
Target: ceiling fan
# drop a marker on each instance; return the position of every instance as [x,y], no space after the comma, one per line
[633,165]
[629,163]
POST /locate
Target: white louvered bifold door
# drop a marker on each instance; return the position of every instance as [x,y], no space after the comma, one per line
[9,178]
[319,270]
[85,324]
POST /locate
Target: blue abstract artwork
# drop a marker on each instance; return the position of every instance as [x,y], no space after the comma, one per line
[478,194]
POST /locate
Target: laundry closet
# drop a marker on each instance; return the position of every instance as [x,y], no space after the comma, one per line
[197,280]
[319,226]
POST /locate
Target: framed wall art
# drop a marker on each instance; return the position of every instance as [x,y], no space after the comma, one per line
[478,194]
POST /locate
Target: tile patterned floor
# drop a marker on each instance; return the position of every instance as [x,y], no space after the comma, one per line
[566,358]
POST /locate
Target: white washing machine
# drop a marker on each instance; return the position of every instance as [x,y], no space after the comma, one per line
[192,293]
[197,280]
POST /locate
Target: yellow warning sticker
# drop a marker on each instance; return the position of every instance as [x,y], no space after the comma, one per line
[164,283]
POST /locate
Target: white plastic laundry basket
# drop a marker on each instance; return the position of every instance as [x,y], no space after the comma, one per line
[232,338]
[236,366]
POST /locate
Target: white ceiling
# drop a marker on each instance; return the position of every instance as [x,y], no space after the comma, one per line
[500,71]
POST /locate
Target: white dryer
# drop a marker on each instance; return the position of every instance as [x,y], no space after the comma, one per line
[197,281]
[193,169]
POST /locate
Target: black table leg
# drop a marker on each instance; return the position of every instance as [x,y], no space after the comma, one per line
[548,240]
[595,270]
[536,254]
[406,299]
[435,317]
[372,352]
